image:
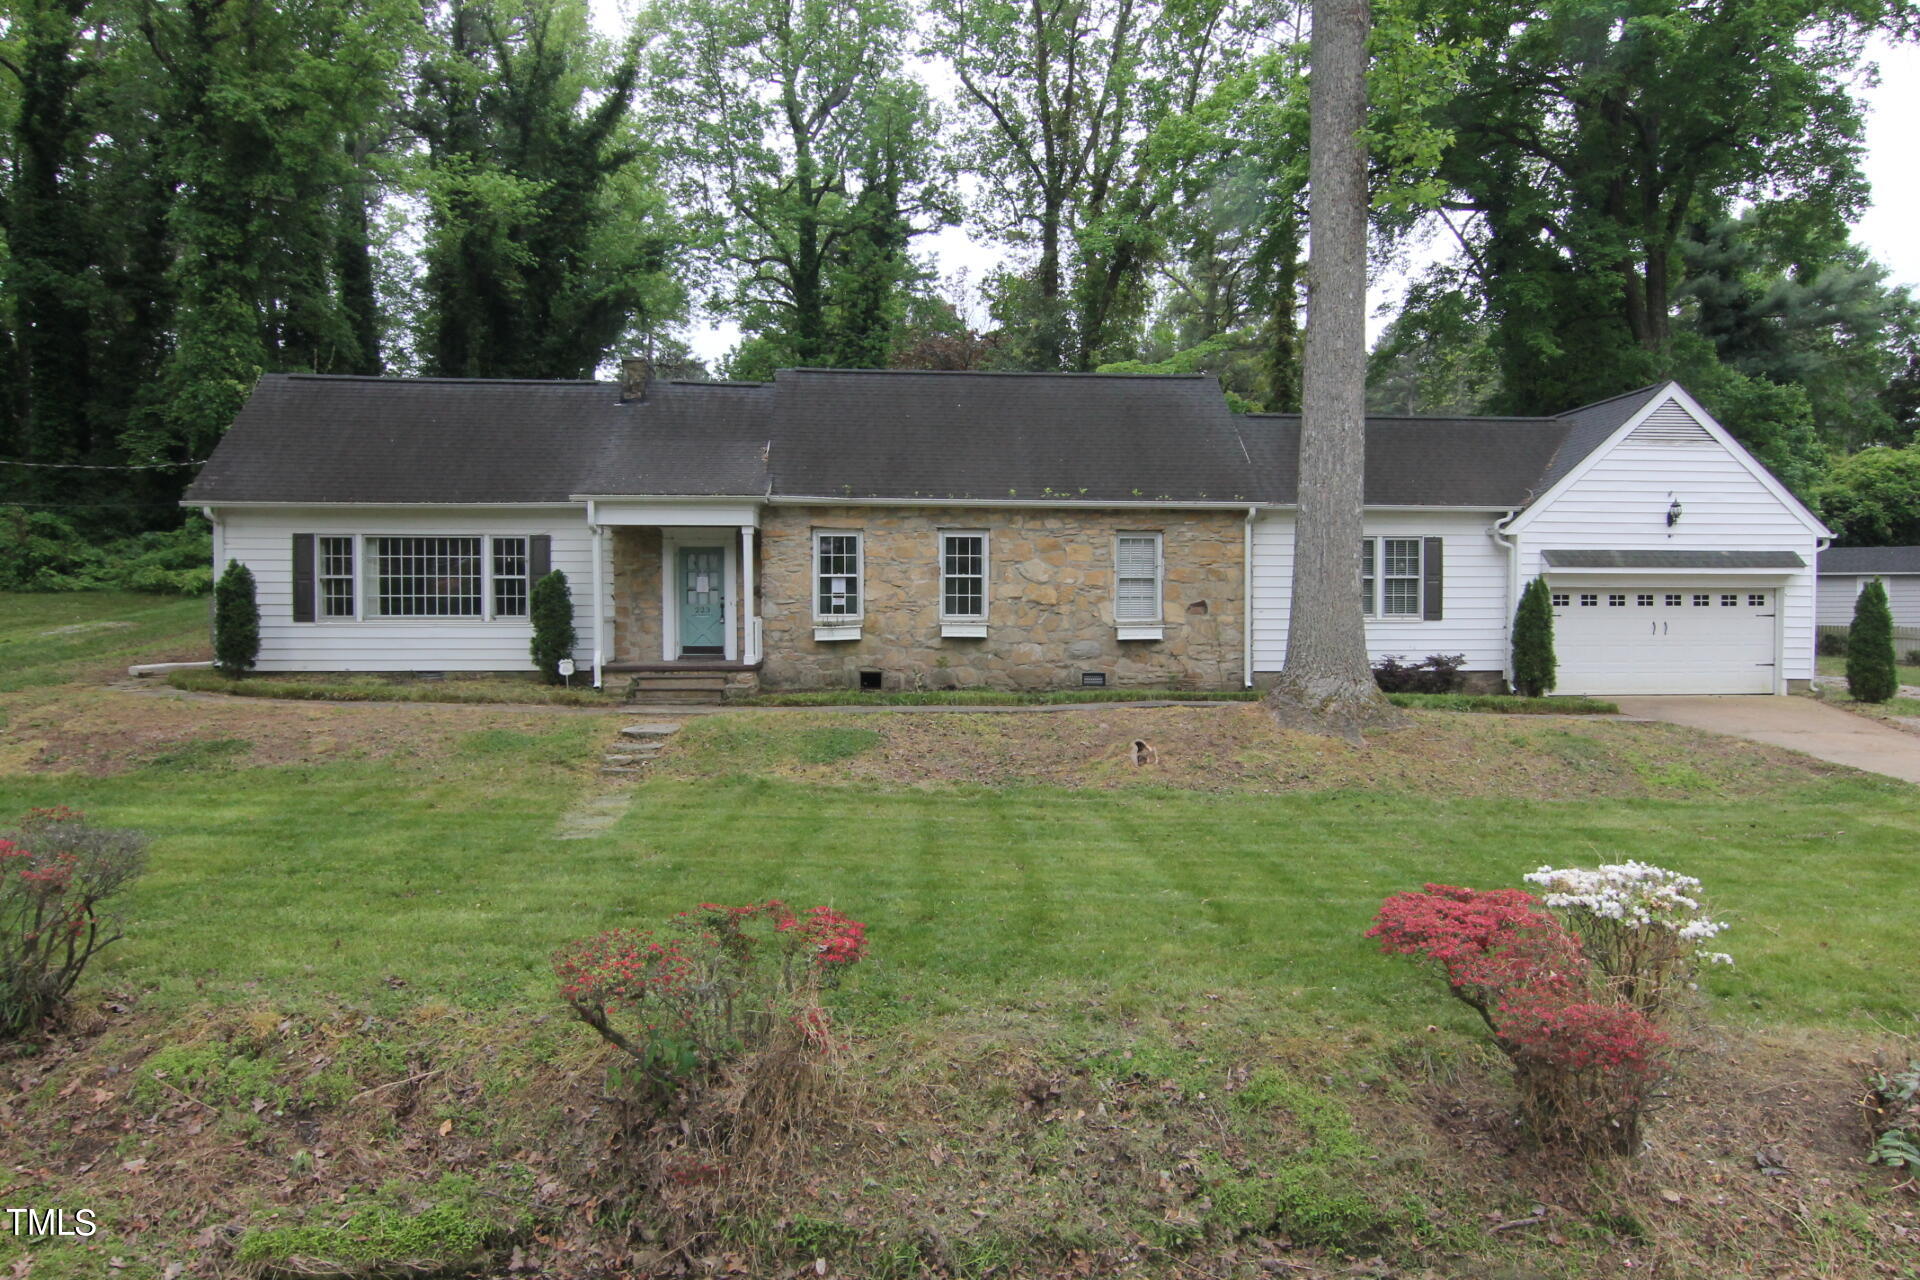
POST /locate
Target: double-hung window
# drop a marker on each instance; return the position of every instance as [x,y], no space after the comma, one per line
[509,577]
[1136,579]
[1391,570]
[836,575]
[428,577]
[336,577]
[963,577]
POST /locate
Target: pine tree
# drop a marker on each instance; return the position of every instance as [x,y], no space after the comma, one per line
[1871,674]
[1534,666]
[236,621]
[552,611]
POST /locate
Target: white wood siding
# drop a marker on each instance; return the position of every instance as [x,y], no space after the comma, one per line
[263,541]
[1621,503]
[1474,590]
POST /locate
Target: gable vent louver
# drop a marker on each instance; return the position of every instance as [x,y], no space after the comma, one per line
[1671,425]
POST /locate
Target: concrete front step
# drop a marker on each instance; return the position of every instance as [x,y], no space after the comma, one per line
[674,698]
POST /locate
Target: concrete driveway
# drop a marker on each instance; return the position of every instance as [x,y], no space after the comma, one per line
[1799,724]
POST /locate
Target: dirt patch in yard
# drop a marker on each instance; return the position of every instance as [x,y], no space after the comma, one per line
[1146,1149]
[102,731]
[1238,748]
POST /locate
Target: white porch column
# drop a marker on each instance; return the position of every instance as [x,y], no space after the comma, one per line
[599,592]
[749,614]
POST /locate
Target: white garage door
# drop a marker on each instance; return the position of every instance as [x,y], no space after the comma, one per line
[1664,638]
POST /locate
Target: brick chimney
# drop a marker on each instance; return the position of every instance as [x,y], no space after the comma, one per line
[636,372]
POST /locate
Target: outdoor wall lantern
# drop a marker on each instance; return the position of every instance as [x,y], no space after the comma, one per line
[1673,513]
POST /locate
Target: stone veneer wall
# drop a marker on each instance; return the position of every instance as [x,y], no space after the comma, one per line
[636,594]
[1049,600]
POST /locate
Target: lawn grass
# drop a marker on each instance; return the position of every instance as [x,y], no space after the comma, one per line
[348,880]
[1836,665]
[52,638]
[349,687]
[1093,1022]
[441,872]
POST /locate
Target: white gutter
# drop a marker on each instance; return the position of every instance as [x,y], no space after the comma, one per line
[219,538]
[599,591]
[1246,597]
[1513,590]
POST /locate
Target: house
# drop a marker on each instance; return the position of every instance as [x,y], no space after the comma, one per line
[868,529]
[1844,570]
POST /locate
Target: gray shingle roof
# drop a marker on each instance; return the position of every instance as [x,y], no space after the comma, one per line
[839,434]
[1673,560]
[1422,462]
[1083,437]
[1894,560]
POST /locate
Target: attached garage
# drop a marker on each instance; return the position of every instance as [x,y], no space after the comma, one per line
[1668,622]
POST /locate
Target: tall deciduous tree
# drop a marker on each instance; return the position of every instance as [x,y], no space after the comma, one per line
[1061,97]
[259,99]
[1327,682]
[548,241]
[1590,138]
[794,124]
[48,280]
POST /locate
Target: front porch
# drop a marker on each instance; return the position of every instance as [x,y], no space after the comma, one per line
[679,615]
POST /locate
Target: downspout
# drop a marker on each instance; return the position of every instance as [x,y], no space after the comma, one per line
[1246,597]
[599,588]
[1513,590]
[219,555]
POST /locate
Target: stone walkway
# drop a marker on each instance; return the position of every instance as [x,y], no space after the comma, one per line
[1799,724]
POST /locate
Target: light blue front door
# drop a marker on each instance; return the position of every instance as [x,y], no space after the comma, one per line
[703,615]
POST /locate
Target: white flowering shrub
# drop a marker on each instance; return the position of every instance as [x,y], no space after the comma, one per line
[1642,926]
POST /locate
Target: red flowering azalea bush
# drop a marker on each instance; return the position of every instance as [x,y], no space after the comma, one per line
[717,983]
[1585,1061]
[55,871]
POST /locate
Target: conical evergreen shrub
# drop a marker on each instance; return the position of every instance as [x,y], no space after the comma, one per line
[1534,666]
[1871,673]
[236,621]
[551,607]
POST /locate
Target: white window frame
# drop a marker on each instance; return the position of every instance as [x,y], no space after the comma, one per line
[1143,627]
[494,577]
[965,625]
[367,565]
[1370,577]
[1373,586]
[321,577]
[839,626]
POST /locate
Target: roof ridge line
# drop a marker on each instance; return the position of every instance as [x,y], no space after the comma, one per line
[304,376]
[1002,373]
[1595,404]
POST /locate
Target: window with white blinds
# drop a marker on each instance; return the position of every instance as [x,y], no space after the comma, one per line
[836,574]
[1137,578]
[1391,573]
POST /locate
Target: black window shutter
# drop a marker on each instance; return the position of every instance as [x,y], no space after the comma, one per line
[1432,587]
[539,556]
[303,577]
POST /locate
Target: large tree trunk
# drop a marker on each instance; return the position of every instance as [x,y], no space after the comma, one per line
[1327,685]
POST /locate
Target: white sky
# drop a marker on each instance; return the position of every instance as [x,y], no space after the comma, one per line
[1890,230]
